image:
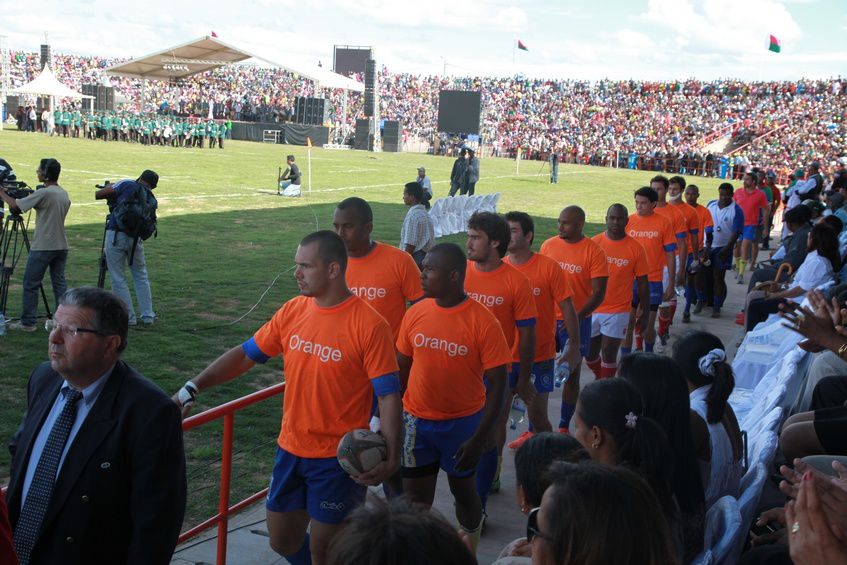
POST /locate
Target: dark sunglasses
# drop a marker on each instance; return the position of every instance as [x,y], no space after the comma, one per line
[532,530]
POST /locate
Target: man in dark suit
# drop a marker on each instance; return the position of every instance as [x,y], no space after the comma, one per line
[98,470]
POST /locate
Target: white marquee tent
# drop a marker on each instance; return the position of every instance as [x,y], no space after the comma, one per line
[46,84]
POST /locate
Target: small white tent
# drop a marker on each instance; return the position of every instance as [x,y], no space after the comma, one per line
[46,84]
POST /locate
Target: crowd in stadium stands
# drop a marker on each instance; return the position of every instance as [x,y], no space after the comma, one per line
[647,125]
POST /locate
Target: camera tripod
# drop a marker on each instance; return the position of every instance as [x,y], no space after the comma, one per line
[104,266]
[13,241]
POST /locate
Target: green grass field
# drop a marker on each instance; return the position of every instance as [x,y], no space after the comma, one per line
[224,236]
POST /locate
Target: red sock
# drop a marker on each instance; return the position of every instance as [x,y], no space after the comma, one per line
[664,325]
[608,370]
[594,365]
[673,310]
[639,341]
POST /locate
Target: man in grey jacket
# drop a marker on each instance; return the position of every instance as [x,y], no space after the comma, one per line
[457,175]
[471,174]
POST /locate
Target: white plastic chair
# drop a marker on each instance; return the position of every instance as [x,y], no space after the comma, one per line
[436,214]
[770,423]
[470,206]
[723,529]
[705,558]
[752,484]
[761,406]
[457,220]
[763,450]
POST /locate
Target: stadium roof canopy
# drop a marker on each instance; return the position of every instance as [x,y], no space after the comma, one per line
[207,53]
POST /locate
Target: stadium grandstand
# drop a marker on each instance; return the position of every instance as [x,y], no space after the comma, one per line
[677,127]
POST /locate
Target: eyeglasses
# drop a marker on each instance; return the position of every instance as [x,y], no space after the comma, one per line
[532,530]
[66,331]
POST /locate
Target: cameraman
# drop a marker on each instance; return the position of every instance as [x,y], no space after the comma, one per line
[49,245]
[119,250]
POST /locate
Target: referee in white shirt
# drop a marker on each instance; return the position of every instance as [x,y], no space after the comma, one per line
[417,236]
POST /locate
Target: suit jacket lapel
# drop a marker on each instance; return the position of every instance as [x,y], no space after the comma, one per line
[91,434]
[34,420]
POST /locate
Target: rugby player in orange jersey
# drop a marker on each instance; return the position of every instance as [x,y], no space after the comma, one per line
[385,276]
[507,293]
[628,270]
[695,287]
[338,354]
[676,190]
[584,265]
[450,350]
[551,292]
[667,309]
[655,233]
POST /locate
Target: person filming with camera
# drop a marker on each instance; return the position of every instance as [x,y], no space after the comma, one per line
[49,245]
[132,219]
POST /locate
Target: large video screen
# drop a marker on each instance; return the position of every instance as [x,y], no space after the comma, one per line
[350,60]
[458,111]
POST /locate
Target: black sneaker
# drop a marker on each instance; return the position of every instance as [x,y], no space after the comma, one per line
[686,318]
[699,306]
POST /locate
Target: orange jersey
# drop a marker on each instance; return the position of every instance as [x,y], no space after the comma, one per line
[333,359]
[656,235]
[706,221]
[627,260]
[549,288]
[450,348]
[506,292]
[677,220]
[692,221]
[387,278]
[580,262]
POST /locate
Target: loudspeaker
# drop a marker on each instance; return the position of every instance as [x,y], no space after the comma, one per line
[45,55]
[392,136]
[310,111]
[363,138]
[370,88]
[109,99]
[89,104]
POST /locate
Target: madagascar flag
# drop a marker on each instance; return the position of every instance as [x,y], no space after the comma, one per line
[774,46]
[523,47]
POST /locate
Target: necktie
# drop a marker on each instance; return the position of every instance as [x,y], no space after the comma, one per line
[41,487]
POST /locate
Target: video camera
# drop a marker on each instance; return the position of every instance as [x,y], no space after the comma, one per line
[16,189]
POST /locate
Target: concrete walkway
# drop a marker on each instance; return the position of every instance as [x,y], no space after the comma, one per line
[248,543]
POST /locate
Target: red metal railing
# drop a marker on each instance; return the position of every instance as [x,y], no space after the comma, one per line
[720,132]
[754,140]
[227,412]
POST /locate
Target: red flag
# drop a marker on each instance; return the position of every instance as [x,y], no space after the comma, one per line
[522,46]
[214,34]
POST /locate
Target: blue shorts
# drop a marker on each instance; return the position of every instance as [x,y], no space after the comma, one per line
[749,233]
[584,335]
[716,261]
[319,486]
[656,292]
[430,444]
[542,372]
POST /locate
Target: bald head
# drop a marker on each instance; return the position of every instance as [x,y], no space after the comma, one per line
[575,213]
[448,256]
[617,209]
[571,222]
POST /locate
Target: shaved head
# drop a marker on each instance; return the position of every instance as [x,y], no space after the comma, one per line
[449,256]
[576,213]
[617,208]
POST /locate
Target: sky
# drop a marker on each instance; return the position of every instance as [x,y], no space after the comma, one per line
[618,39]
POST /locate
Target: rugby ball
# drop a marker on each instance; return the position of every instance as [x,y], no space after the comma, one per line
[359,451]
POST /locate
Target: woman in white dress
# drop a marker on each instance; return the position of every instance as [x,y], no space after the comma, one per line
[717,436]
